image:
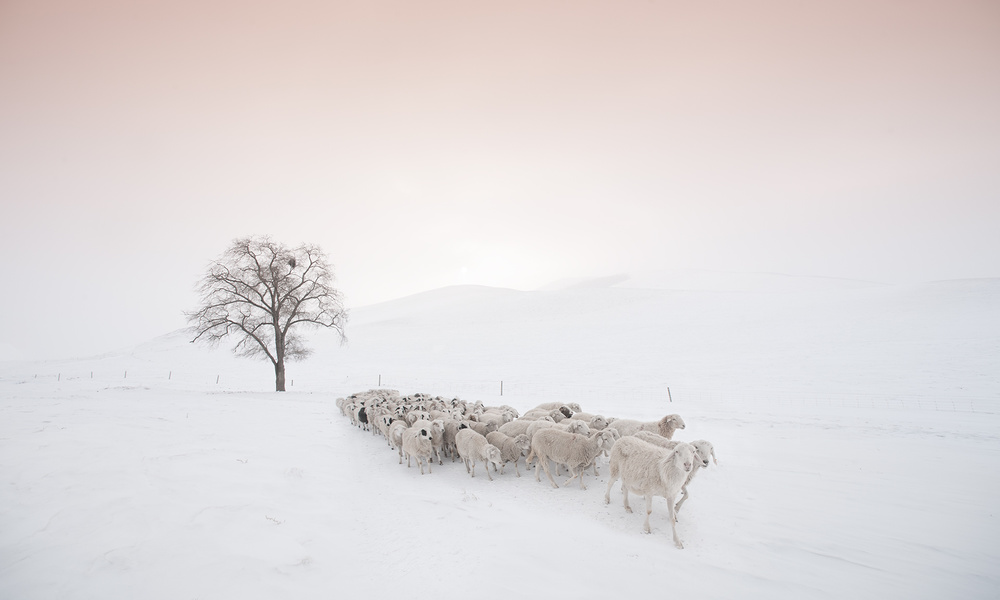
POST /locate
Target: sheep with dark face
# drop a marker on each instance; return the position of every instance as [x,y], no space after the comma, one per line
[451,429]
[572,407]
[436,427]
[417,444]
[361,417]
[382,425]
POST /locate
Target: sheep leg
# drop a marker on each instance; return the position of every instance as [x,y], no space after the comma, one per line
[649,511]
[684,496]
[607,493]
[487,465]
[516,470]
[429,461]
[673,522]
[628,508]
[420,463]
[474,467]
[545,463]
[574,476]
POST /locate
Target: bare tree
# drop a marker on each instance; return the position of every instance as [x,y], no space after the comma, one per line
[263,294]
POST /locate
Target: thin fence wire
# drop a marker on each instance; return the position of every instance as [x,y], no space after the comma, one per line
[516,392]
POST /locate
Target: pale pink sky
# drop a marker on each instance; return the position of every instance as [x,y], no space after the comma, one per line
[425,144]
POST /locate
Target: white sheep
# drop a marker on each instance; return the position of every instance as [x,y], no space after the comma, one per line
[539,413]
[665,426]
[511,448]
[472,446]
[480,428]
[341,405]
[703,449]
[593,421]
[519,426]
[650,470]
[535,426]
[574,426]
[566,425]
[396,429]
[572,406]
[572,450]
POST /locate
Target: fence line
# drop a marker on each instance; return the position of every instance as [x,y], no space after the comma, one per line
[504,391]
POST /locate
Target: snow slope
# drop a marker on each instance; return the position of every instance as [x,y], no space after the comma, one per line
[856,428]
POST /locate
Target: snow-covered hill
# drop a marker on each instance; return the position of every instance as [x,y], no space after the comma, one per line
[856,427]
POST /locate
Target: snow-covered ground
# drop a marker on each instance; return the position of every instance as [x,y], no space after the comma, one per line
[856,426]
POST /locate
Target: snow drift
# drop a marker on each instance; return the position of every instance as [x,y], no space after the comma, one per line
[855,425]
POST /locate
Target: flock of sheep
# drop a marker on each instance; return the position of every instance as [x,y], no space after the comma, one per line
[641,454]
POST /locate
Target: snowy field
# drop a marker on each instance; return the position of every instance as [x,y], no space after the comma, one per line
[857,428]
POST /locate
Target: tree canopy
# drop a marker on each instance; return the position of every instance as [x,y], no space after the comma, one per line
[263,294]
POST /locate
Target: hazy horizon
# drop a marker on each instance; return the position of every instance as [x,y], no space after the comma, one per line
[443,143]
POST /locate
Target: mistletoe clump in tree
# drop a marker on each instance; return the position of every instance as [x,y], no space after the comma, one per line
[264,294]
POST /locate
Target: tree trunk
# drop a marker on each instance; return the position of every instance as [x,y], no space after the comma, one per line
[279,354]
[279,376]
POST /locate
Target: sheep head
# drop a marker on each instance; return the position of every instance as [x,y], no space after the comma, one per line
[523,443]
[683,456]
[493,455]
[704,450]
[669,423]
[607,439]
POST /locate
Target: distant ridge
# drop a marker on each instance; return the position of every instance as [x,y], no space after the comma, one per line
[706,280]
